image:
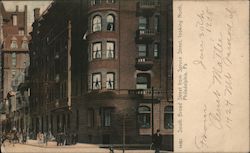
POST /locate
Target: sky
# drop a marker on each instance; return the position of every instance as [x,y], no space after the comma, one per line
[10,5]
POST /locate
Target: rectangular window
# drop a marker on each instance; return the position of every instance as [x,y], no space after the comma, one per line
[156,50]
[14,20]
[106,117]
[142,50]
[21,32]
[110,49]
[110,83]
[143,23]
[96,50]
[13,57]
[143,81]
[96,81]
[13,44]
[157,23]
[110,1]
[90,118]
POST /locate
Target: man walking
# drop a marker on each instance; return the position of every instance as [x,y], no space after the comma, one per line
[157,140]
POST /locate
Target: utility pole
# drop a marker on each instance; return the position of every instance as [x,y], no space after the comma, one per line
[152,115]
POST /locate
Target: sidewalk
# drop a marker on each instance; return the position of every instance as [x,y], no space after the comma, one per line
[52,144]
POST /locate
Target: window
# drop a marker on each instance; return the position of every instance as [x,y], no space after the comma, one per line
[110,49]
[157,23]
[168,117]
[13,57]
[142,50]
[143,81]
[95,2]
[96,50]
[106,117]
[90,117]
[96,81]
[97,24]
[25,45]
[142,23]
[110,23]
[110,1]
[13,44]
[21,32]
[14,20]
[144,117]
[110,83]
[156,50]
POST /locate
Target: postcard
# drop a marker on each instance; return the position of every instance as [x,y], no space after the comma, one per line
[211,76]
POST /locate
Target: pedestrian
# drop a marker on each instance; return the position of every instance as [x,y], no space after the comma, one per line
[157,140]
[24,137]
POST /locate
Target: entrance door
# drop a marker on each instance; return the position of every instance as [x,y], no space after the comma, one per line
[106,139]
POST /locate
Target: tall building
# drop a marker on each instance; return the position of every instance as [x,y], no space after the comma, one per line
[103,69]
[15,58]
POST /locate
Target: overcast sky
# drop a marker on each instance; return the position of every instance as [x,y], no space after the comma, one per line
[42,4]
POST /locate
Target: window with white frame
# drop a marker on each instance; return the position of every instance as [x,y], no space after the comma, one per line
[168,117]
[13,59]
[97,23]
[14,20]
[13,44]
[143,24]
[110,82]
[96,50]
[25,45]
[142,50]
[144,116]
[110,22]
[96,81]
[110,49]
[143,81]
[156,50]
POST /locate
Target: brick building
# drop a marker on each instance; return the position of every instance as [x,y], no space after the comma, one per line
[94,65]
[14,60]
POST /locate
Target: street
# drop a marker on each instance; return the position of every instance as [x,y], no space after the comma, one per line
[33,147]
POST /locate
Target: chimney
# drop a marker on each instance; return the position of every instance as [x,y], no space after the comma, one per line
[25,20]
[17,8]
[36,13]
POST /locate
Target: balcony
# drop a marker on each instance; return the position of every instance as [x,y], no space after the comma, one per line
[145,35]
[146,94]
[147,7]
[144,63]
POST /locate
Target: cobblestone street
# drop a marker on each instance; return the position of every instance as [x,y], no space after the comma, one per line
[33,147]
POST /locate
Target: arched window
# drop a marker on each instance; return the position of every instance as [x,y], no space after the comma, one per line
[110,23]
[97,24]
[144,117]
[168,117]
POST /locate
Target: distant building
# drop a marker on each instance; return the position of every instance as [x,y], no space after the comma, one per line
[94,65]
[15,58]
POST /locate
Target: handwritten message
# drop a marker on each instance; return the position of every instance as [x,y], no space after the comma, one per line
[211,59]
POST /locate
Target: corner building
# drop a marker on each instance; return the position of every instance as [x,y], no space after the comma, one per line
[117,58]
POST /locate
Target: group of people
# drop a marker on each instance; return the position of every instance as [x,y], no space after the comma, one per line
[66,138]
[14,136]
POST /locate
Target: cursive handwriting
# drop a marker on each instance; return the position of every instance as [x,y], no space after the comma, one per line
[201,141]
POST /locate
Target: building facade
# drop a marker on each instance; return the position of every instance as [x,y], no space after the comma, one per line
[14,60]
[103,69]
